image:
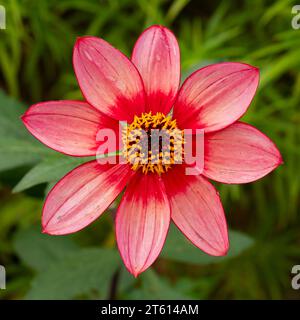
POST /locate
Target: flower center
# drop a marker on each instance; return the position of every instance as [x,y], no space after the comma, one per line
[153,143]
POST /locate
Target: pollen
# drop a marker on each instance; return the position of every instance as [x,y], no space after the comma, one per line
[152,143]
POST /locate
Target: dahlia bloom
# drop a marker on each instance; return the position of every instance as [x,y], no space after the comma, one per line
[142,91]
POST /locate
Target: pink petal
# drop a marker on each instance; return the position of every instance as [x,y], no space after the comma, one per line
[197,211]
[69,127]
[239,154]
[108,79]
[157,57]
[142,222]
[82,196]
[216,96]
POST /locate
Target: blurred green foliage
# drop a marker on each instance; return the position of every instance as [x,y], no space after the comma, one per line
[36,65]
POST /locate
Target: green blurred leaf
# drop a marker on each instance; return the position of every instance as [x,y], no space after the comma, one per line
[155,287]
[49,170]
[176,7]
[16,211]
[52,169]
[18,152]
[39,250]
[126,281]
[278,67]
[10,122]
[178,248]
[17,146]
[78,273]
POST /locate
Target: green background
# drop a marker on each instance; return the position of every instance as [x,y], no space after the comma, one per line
[36,65]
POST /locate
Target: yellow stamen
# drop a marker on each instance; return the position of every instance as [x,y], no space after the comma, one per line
[153,143]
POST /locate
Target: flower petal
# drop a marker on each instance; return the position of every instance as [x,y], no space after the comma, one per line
[142,222]
[82,196]
[69,127]
[156,55]
[108,79]
[197,211]
[215,96]
[238,154]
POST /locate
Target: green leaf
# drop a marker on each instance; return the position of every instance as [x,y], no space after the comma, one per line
[49,187]
[126,281]
[10,122]
[39,250]
[178,248]
[176,7]
[78,273]
[279,67]
[18,152]
[49,170]
[18,211]
[155,287]
[17,146]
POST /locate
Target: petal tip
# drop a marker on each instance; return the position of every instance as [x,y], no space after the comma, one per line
[46,223]
[253,71]
[44,231]
[280,158]
[221,250]
[217,250]
[159,28]
[247,65]
[55,231]
[29,112]
[221,247]
[155,26]
[225,250]
[22,117]
[45,227]
[251,67]
[136,273]
[80,39]
[79,42]
[256,71]
[25,118]
[255,74]
[278,161]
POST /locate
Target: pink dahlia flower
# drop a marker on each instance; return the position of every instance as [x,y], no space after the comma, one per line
[142,91]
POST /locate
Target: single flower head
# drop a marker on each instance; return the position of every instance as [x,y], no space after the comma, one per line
[141,91]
